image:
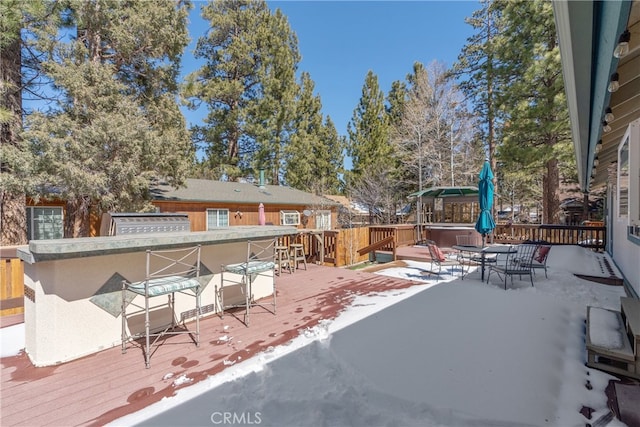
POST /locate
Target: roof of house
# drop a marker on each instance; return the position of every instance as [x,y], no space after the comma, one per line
[204,190]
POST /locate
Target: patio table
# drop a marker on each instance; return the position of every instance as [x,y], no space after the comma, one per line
[483,251]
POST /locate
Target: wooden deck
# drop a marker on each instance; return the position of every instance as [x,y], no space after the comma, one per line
[108,385]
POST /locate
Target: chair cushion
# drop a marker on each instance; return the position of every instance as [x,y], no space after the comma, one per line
[438,253]
[541,254]
[252,267]
[165,285]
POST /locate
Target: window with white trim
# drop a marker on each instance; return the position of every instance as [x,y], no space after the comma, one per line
[289,218]
[217,218]
[628,182]
[44,223]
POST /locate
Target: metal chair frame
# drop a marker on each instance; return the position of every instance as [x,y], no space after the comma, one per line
[167,272]
[431,245]
[517,263]
[536,263]
[260,261]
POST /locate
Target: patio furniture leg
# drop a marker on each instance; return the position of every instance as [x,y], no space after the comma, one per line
[198,314]
[124,320]
[147,325]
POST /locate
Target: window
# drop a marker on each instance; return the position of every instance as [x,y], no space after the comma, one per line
[323,220]
[623,178]
[44,223]
[217,218]
[289,218]
[628,182]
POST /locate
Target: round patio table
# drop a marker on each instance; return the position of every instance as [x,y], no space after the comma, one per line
[483,251]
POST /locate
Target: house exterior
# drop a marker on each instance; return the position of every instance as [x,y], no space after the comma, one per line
[212,204]
[209,205]
[602,84]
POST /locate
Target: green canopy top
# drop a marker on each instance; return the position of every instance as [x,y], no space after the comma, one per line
[437,192]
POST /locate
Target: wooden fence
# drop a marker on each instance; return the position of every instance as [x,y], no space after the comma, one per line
[11,282]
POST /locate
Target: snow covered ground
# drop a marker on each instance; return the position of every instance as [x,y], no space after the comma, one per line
[449,352]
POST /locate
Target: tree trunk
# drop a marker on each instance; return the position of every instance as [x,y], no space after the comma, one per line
[77,218]
[13,215]
[551,200]
[14,219]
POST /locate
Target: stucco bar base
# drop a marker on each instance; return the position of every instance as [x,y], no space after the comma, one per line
[73,286]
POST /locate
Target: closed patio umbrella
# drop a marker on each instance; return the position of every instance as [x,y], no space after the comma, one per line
[261,216]
[485,223]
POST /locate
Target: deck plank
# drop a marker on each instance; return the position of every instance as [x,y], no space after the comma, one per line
[107,385]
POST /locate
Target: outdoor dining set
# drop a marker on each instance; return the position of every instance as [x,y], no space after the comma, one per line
[506,261]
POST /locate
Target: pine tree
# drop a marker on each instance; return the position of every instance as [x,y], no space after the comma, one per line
[12,193]
[532,97]
[116,125]
[314,153]
[368,131]
[247,84]
[329,158]
[18,72]
[479,63]
[300,171]
[270,122]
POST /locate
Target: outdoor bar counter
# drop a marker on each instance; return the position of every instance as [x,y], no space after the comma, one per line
[73,287]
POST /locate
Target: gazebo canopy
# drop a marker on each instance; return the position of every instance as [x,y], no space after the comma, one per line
[442,192]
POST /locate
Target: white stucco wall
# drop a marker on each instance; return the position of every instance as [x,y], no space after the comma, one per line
[64,324]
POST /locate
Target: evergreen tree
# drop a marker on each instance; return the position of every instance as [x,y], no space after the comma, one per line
[538,134]
[116,125]
[247,83]
[368,130]
[270,122]
[12,192]
[479,62]
[314,152]
[18,73]
[329,158]
[300,171]
[397,99]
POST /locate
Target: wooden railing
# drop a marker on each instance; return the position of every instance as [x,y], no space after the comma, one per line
[586,236]
[340,248]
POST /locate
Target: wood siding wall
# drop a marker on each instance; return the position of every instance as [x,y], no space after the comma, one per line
[239,214]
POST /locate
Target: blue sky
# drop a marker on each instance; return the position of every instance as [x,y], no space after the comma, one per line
[340,41]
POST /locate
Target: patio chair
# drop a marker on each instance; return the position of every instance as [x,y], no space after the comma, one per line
[167,272]
[516,263]
[539,260]
[439,258]
[240,277]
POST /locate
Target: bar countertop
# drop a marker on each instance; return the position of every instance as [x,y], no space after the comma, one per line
[58,249]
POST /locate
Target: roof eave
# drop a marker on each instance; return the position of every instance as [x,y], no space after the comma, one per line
[587,33]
